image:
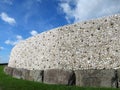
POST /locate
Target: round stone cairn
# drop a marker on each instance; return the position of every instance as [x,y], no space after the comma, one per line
[93,44]
[82,54]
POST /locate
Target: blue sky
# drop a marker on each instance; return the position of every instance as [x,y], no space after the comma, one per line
[20,19]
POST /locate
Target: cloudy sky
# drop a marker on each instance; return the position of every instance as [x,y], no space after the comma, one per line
[20,19]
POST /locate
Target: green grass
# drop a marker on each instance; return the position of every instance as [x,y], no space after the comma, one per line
[9,83]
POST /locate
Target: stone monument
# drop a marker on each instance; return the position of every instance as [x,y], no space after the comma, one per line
[83,54]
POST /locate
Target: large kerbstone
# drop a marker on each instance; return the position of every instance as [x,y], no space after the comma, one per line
[96,78]
[57,76]
[8,70]
[118,75]
[25,74]
[17,73]
[36,75]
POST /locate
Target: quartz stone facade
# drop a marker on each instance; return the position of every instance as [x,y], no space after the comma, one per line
[93,44]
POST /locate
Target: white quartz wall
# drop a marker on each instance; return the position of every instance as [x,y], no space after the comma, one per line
[93,44]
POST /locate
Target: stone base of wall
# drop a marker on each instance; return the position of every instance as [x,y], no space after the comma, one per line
[89,78]
[96,78]
[58,76]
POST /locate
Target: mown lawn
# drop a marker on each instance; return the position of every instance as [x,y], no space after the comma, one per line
[9,83]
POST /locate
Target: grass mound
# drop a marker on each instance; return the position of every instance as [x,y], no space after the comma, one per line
[9,83]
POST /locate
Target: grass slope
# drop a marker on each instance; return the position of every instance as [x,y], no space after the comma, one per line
[9,83]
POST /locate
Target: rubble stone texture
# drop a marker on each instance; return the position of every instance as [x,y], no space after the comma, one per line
[93,44]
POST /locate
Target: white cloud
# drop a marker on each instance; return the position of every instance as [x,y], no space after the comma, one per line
[1,48]
[7,19]
[33,32]
[11,42]
[67,9]
[19,37]
[79,10]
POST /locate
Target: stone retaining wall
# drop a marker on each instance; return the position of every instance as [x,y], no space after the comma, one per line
[93,78]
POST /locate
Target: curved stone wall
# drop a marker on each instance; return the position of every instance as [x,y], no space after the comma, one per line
[83,78]
[93,44]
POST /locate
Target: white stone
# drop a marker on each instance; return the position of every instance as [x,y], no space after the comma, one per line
[76,46]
